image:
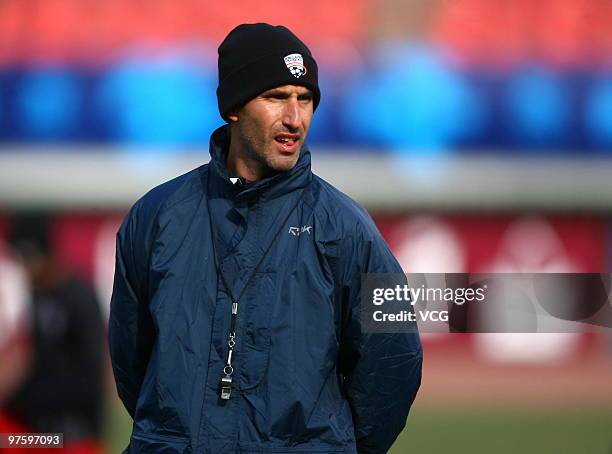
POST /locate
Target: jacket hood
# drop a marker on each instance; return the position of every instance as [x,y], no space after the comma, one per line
[271,187]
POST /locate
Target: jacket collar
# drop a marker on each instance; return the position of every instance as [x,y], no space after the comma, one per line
[271,187]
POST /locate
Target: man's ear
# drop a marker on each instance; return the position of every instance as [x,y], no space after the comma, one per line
[232,116]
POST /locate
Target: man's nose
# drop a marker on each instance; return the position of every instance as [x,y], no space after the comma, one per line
[291,114]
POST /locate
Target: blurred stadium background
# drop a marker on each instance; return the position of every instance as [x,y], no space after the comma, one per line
[478,134]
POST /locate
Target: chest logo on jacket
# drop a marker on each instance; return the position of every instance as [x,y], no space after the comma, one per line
[296,231]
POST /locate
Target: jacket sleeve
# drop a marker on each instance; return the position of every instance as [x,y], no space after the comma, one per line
[131,330]
[382,371]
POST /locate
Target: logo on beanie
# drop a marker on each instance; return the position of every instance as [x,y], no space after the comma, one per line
[295,64]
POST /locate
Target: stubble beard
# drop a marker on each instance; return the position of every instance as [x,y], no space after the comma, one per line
[261,156]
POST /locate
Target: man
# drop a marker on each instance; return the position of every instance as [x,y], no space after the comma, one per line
[234,320]
[62,389]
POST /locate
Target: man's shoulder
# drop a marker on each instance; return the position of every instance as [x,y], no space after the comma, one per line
[162,197]
[339,212]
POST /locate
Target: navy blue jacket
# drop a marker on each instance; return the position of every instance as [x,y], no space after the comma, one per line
[307,378]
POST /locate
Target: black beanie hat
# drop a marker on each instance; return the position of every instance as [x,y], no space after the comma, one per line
[254,58]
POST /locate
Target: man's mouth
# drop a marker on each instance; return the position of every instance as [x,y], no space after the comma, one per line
[287,142]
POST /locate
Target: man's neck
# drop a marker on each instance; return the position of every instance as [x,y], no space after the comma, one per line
[241,165]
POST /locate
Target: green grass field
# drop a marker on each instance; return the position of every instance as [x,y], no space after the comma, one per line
[456,430]
[513,431]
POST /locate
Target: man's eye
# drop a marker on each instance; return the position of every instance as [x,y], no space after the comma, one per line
[276,96]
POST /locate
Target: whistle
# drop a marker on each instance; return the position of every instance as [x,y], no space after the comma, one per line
[226,387]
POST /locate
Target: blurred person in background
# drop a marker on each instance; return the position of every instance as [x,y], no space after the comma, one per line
[235,322]
[14,345]
[62,390]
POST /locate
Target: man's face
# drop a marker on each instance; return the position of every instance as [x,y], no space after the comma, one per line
[271,128]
